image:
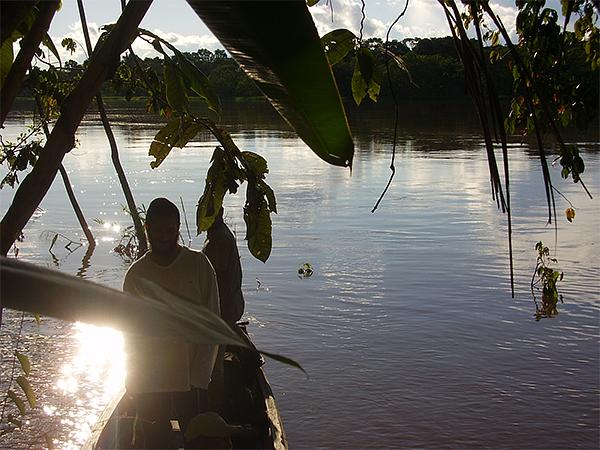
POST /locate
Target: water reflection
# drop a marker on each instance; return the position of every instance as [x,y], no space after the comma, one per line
[85,261]
[94,376]
[410,304]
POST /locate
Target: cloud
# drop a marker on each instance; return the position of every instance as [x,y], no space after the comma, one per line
[182,42]
[346,14]
[423,18]
[508,16]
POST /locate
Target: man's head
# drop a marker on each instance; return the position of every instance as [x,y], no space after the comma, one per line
[162,225]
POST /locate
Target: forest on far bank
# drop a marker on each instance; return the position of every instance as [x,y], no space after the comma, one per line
[433,64]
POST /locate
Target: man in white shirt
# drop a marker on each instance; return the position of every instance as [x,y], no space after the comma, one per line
[169,377]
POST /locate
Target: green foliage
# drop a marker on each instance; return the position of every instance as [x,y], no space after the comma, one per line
[548,278]
[198,82]
[556,74]
[180,73]
[24,362]
[282,39]
[572,164]
[337,44]
[175,87]
[176,133]
[366,80]
[229,168]
[218,178]
[27,389]
[69,44]
[25,386]
[128,246]
[18,156]
[48,43]
[6,59]
[17,401]
[258,222]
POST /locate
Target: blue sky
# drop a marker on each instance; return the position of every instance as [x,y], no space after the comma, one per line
[175,21]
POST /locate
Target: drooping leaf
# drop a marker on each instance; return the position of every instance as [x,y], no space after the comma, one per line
[258,224]
[198,82]
[27,287]
[214,190]
[24,361]
[370,72]
[358,84]
[400,63]
[269,194]
[176,133]
[366,62]
[366,79]
[30,288]
[277,44]
[27,389]
[47,41]
[6,59]
[284,360]
[175,88]
[213,329]
[257,163]
[17,401]
[337,44]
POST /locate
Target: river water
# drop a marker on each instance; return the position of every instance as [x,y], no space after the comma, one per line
[407,327]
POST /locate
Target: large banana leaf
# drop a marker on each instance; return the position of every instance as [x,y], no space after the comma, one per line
[159,313]
[277,44]
[34,289]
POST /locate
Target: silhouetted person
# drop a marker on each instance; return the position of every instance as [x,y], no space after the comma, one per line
[168,377]
[221,249]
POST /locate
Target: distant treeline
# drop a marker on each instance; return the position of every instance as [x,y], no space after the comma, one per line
[433,63]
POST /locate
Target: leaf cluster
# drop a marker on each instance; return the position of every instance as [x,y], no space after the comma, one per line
[555,74]
[369,66]
[548,278]
[230,167]
[15,421]
[20,18]
[18,156]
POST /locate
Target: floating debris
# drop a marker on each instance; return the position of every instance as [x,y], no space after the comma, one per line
[305,270]
[260,287]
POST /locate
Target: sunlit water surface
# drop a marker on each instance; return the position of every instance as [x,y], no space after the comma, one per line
[407,327]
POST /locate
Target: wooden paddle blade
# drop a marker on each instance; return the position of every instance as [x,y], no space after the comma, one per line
[277,44]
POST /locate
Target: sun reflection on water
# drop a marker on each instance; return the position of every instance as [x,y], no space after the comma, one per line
[94,376]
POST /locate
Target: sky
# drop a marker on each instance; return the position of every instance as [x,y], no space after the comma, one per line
[175,21]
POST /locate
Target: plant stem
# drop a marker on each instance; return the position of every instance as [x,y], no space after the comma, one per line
[114,151]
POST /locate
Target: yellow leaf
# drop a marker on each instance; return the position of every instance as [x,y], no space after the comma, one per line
[570,212]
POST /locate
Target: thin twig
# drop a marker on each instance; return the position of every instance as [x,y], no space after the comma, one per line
[396,108]
[562,195]
[186,222]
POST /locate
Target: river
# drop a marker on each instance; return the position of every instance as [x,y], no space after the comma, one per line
[406,328]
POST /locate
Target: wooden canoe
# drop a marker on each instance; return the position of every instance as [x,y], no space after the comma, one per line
[249,402]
